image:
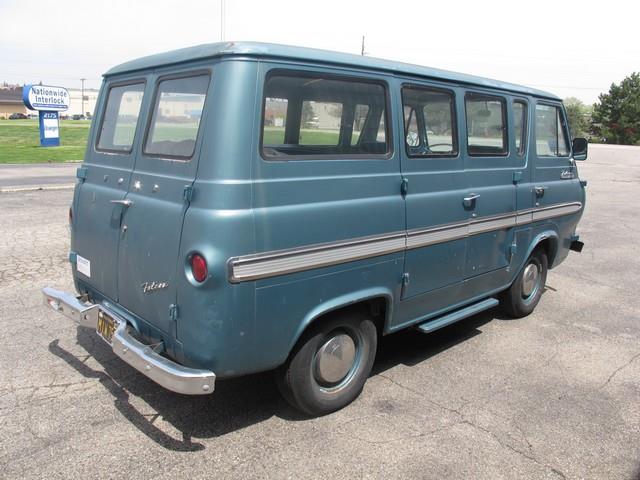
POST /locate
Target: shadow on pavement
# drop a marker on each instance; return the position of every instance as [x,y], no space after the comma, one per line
[236,403]
[410,347]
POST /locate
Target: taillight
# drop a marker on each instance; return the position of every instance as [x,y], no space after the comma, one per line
[198,267]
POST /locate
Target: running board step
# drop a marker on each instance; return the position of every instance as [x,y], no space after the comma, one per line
[449,318]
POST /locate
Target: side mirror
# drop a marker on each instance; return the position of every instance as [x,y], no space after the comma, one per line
[580,146]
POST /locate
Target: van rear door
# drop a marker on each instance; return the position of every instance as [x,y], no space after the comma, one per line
[105,177]
[158,198]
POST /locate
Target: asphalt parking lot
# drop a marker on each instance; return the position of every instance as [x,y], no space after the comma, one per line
[18,177]
[554,395]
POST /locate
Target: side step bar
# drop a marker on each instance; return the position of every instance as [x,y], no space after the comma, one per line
[449,318]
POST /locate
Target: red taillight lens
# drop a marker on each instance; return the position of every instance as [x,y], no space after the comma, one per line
[198,267]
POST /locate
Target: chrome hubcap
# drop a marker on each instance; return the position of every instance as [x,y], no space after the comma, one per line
[335,358]
[530,279]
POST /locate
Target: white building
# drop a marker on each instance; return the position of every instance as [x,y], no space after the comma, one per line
[75,105]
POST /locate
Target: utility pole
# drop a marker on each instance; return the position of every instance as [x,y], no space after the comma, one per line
[222,32]
[82,99]
[362,50]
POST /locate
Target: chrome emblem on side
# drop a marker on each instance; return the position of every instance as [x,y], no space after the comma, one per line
[566,174]
[150,287]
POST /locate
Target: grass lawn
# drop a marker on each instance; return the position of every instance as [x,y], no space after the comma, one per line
[20,142]
[20,139]
[275,136]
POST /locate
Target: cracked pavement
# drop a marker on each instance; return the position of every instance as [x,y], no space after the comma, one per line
[555,395]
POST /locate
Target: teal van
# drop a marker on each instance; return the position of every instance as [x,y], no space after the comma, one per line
[245,207]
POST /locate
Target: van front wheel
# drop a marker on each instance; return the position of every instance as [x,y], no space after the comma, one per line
[330,364]
[524,294]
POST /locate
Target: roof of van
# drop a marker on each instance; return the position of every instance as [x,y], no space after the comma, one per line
[269,50]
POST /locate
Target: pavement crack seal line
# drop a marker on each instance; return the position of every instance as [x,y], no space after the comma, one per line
[618,370]
[35,188]
[513,449]
[465,421]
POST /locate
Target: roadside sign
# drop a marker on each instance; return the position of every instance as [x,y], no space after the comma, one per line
[49,129]
[48,101]
[44,97]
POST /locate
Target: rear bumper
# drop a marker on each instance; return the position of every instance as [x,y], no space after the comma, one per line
[144,358]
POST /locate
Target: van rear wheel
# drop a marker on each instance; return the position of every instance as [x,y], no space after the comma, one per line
[330,364]
[521,298]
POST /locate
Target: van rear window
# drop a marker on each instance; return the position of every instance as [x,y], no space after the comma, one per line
[176,117]
[318,116]
[120,118]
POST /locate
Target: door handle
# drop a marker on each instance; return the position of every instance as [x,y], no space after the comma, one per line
[540,191]
[124,203]
[469,199]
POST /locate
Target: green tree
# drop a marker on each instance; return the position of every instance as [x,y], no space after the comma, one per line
[577,116]
[616,116]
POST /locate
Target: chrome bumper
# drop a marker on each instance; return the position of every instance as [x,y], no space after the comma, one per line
[164,372]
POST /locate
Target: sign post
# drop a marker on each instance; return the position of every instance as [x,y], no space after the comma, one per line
[48,101]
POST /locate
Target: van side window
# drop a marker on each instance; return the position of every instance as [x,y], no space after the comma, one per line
[520,125]
[486,125]
[176,117]
[120,118]
[321,116]
[429,122]
[551,132]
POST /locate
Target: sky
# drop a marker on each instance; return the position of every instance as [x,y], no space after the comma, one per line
[570,48]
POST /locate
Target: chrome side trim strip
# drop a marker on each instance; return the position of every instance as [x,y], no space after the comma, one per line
[524,216]
[280,262]
[556,211]
[295,260]
[431,236]
[490,225]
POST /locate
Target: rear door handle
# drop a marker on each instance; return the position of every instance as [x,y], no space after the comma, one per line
[469,199]
[540,191]
[124,203]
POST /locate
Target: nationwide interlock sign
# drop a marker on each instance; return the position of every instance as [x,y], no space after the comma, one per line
[48,101]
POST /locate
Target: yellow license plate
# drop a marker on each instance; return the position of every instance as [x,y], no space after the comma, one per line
[106,326]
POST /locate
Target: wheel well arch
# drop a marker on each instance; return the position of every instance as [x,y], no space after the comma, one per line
[376,303]
[548,242]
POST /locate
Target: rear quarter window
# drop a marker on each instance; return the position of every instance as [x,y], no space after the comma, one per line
[176,117]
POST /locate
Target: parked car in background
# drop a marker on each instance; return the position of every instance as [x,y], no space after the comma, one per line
[18,116]
[78,116]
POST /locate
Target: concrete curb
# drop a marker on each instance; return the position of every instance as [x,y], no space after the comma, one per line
[34,188]
[42,164]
